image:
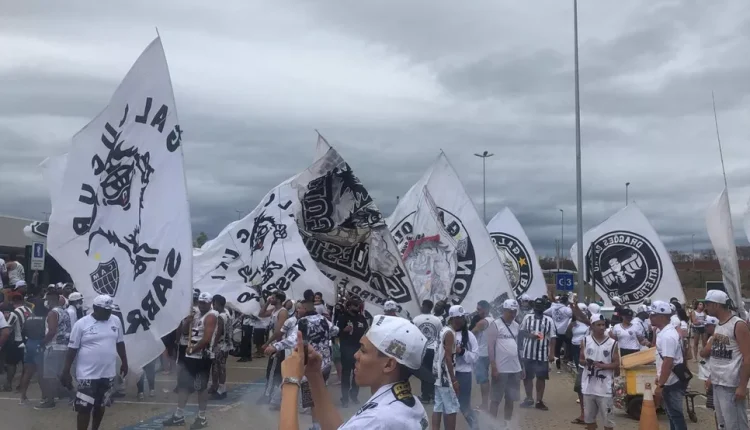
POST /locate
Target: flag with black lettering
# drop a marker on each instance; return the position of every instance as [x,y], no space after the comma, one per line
[261,252]
[347,236]
[120,222]
[624,257]
[446,247]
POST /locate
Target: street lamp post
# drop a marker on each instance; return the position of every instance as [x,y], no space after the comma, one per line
[562,235]
[484,156]
[627,184]
[579,192]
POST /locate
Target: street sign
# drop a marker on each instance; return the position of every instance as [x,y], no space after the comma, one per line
[564,281]
[37,256]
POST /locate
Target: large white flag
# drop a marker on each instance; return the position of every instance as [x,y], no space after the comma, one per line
[721,233]
[629,260]
[447,249]
[518,256]
[120,221]
[347,236]
[261,252]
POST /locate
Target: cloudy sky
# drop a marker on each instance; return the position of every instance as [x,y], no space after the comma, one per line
[390,83]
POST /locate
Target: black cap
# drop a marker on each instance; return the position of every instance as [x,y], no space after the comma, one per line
[627,312]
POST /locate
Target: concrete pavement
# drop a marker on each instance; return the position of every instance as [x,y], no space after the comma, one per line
[239,411]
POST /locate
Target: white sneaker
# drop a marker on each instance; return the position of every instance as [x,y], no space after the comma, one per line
[141,397]
[152,393]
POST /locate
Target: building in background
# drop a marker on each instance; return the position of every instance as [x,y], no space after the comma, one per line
[13,242]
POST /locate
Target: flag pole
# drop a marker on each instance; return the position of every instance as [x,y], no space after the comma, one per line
[718,139]
[579,198]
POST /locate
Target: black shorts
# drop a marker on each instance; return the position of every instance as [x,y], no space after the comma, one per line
[13,353]
[259,335]
[536,369]
[194,374]
[699,330]
[92,393]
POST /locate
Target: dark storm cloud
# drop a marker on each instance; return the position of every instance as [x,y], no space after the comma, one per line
[390,84]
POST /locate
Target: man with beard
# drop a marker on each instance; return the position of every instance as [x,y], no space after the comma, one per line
[352,326]
[196,371]
[96,340]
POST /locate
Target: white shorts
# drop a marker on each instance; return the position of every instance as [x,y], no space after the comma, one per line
[446,401]
[594,406]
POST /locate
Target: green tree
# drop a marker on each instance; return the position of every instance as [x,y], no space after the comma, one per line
[200,240]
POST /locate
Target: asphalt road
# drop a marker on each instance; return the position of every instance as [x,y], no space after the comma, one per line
[239,411]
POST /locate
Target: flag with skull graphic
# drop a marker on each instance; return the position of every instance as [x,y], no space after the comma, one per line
[120,222]
[624,257]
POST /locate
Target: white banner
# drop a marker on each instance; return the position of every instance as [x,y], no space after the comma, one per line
[721,233]
[262,251]
[446,245]
[518,256]
[120,221]
[629,260]
[347,236]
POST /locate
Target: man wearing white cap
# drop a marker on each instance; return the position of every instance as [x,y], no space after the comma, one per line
[390,308]
[96,340]
[505,363]
[669,362]
[390,352]
[730,361]
[196,372]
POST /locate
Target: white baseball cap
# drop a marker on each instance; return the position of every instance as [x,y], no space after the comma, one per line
[510,305]
[205,297]
[399,339]
[456,311]
[104,301]
[19,284]
[75,297]
[641,308]
[596,317]
[717,296]
[390,306]
[594,308]
[525,298]
[711,320]
[582,306]
[660,308]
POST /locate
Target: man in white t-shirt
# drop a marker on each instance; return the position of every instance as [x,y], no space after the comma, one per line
[505,363]
[430,326]
[670,391]
[95,340]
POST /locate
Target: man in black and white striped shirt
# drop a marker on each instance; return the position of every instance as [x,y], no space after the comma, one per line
[537,353]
